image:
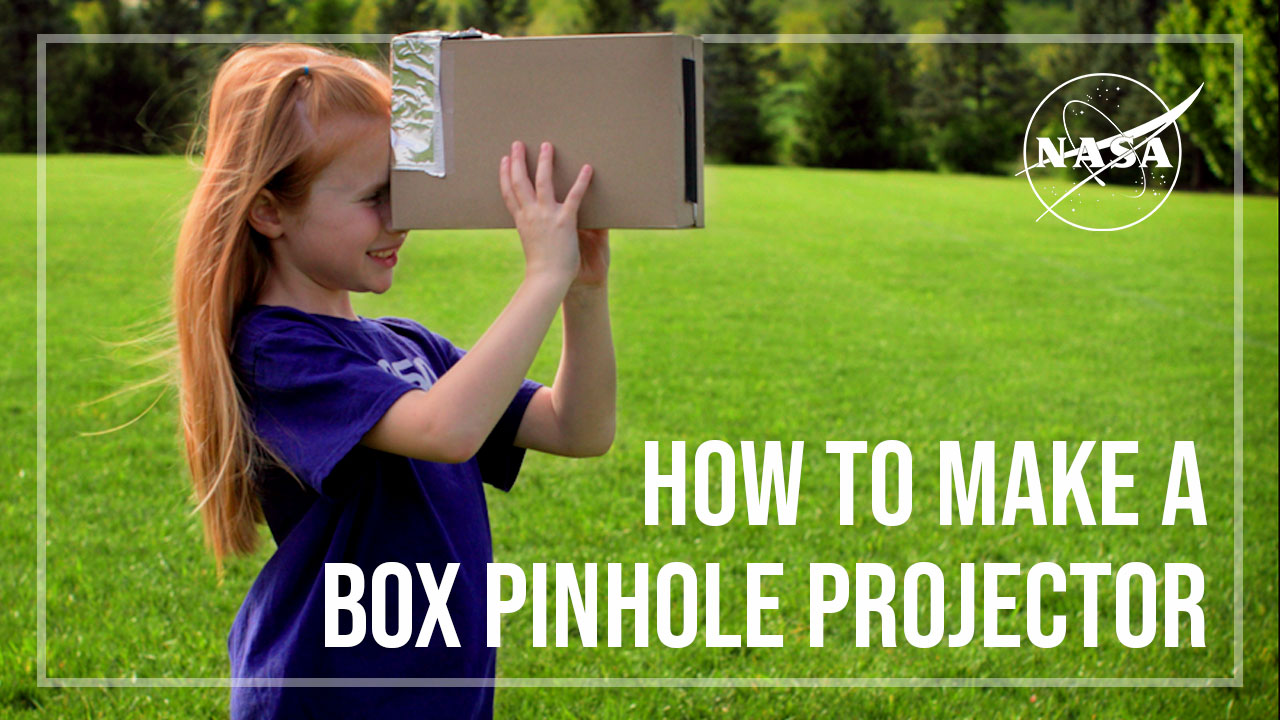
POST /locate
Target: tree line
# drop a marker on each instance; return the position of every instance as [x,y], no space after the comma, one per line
[957,107]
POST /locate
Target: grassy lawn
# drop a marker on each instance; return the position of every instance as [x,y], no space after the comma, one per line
[817,305]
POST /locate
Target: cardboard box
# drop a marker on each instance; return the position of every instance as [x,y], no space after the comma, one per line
[630,105]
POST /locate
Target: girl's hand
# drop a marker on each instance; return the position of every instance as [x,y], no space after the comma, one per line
[548,229]
[593,249]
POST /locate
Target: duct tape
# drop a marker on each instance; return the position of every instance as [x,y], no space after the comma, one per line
[417,112]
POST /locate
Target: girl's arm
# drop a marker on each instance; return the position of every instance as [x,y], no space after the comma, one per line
[450,421]
[576,416]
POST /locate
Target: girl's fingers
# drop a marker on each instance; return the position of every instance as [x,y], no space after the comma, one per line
[518,191]
[574,198]
[520,175]
[546,191]
[504,183]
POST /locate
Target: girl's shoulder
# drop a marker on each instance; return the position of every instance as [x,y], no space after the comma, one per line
[281,330]
[279,324]
[261,321]
[264,318]
[268,318]
[403,326]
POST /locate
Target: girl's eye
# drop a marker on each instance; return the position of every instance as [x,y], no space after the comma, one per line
[376,197]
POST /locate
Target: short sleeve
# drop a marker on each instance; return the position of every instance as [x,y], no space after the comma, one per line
[499,458]
[314,399]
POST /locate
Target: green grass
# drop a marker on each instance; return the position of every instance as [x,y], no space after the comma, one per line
[816,306]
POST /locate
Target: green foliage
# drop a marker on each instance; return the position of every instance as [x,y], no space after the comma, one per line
[854,109]
[496,16]
[125,97]
[650,17]
[976,96]
[1210,121]
[960,106]
[326,17]
[1129,59]
[171,16]
[736,126]
[614,16]
[20,22]
[845,122]
[401,16]
[251,16]
[605,16]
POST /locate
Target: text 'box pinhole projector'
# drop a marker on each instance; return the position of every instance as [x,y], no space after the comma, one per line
[630,105]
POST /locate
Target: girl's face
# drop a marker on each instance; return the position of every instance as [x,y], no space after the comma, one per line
[340,241]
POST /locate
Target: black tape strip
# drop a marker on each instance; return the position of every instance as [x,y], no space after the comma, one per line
[690,132]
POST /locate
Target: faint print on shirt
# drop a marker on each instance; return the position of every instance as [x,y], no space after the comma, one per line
[402,369]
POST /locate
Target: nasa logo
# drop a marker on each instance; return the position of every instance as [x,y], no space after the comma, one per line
[1089,173]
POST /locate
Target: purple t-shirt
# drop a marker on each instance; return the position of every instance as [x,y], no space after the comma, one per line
[315,385]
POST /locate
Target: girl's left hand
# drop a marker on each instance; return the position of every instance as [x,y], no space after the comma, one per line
[593,253]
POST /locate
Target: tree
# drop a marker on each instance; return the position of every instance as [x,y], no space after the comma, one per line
[401,16]
[20,22]
[650,17]
[1129,59]
[736,127]
[172,16]
[1180,68]
[976,97]
[854,107]
[326,17]
[251,16]
[615,16]
[495,16]
[173,103]
[117,97]
[1115,16]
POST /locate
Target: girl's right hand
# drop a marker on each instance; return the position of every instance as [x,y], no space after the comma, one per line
[548,229]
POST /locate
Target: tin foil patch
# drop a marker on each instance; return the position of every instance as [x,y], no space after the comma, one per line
[417,114]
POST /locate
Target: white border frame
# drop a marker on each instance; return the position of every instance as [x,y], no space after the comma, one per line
[1236,680]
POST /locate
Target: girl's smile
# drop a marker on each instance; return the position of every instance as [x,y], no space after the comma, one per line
[385,257]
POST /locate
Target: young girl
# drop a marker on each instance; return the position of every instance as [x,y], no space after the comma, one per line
[359,440]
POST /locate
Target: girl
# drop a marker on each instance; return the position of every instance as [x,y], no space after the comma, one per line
[358,440]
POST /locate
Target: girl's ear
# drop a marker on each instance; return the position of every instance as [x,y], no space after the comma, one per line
[264,215]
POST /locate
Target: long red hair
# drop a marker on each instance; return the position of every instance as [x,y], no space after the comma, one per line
[267,106]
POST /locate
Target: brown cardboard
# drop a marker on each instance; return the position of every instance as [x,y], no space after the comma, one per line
[616,102]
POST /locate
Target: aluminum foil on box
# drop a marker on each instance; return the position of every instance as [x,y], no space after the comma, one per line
[417,116]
